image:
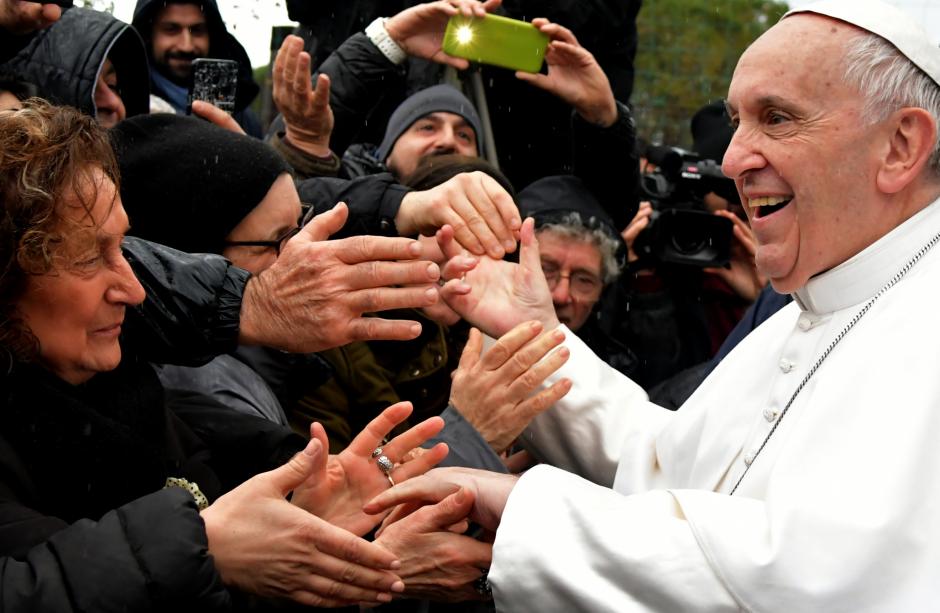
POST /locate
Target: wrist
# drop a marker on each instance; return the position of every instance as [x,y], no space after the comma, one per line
[312,146]
[602,116]
[403,217]
[383,34]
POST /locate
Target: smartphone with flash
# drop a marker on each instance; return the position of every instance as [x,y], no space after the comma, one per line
[496,40]
[215,81]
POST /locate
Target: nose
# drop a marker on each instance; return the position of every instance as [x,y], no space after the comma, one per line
[125,288]
[561,293]
[107,100]
[446,139]
[185,41]
[743,154]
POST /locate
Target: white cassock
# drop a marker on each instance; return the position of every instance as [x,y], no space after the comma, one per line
[839,512]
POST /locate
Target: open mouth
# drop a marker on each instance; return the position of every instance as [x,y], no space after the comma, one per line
[765,206]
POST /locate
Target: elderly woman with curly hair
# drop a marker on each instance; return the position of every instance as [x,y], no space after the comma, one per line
[108,501]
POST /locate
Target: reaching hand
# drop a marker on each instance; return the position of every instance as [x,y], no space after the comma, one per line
[482,214]
[490,493]
[308,118]
[340,486]
[264,545]
[742,275]
[214,114]
[493,393]
[496,295]
[18,17]
[639,223]
[419,30]
[438,564]
[313,297]
[574,76]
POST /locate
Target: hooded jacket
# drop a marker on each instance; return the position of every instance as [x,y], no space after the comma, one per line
[222,45]
[65,59]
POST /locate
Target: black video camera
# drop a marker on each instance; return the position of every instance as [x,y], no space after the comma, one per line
[681,229]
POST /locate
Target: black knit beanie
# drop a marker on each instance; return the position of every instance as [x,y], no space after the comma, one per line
[436,99]
[187,183]
[549,199]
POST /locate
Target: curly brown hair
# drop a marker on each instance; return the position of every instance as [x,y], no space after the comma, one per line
[49,156]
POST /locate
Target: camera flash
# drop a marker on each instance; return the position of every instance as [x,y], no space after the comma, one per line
[464,34]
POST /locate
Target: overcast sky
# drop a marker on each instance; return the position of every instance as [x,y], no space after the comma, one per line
[251,20]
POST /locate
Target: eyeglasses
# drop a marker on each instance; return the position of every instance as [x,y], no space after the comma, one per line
[277,244]
[582,285]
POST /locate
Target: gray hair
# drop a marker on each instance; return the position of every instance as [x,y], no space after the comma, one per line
[889,81]
[572,227]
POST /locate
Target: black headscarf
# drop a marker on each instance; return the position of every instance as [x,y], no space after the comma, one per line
[187,183]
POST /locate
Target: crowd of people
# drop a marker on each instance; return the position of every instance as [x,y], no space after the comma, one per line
[398,351]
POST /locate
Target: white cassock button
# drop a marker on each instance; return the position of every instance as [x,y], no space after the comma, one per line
[749,458]
[804,323]
[770,414]
[786,365]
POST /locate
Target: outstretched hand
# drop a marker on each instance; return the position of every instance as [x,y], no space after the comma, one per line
[264,545]
[494,392]
[308,118]
[342,484]
[313,297]
[574,76]
[436,562]
[419,30]
[495,296]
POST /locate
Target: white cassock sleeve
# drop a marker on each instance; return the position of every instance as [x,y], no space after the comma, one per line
[604,413]
[598,551]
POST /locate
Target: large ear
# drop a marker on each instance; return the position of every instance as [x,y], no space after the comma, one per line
[911,142]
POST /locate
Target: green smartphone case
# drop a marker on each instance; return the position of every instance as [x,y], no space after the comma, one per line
[496,40]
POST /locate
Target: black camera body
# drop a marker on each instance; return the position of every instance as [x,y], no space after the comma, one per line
[681,230]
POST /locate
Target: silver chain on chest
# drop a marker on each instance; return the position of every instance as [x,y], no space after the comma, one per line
[825,354]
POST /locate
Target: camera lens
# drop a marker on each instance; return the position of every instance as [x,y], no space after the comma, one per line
[688,240]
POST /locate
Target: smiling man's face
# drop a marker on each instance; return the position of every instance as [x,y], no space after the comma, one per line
[803,156]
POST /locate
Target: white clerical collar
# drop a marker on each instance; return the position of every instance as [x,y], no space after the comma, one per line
[861,276]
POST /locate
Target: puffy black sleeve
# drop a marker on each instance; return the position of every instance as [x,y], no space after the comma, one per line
[149,555]
[193,305]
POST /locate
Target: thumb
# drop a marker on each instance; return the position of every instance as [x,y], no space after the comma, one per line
[529,250]
[453,509]
[326,224]
[298,469]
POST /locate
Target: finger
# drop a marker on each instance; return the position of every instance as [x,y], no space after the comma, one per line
[421,465]
[356,249]
[555,31]
[321,95]
[537,79]
[385,274]
[509,344]
[317,432]
[457,267]
[376,329]
[505,206]
[329,591]
[376,430]
[420,489]
[529,251]
[462,217]
[214,114]
[491,5]
[519,461]
[445,241]
[399,446]
[441,516]
[545,399]
[291,49]
[633,230]
[325,224]
[378,299]
[299,73]
[471,351]
[533,363]
[298,469]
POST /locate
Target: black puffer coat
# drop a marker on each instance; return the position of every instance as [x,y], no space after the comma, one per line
[84,523]
[65,59]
